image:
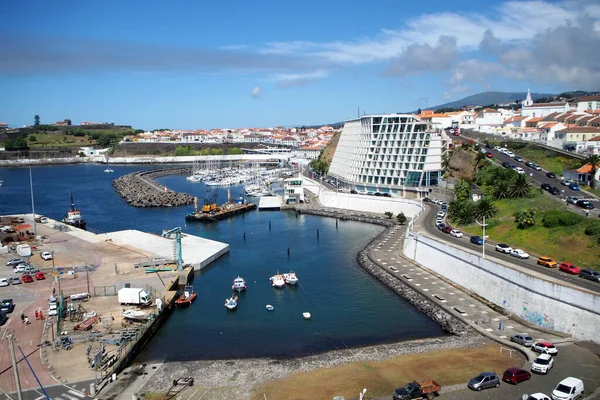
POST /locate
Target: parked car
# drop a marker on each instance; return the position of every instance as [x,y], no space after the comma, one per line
[537,167]
[13,262]
[546,186]
[447,229]
[565,182]
[538,396]
[569,268]
[573,199]
[441,226]
[505,164]
[543,364]
[3,282]
[519,253]
[476,240]
[484,380]
[523,339]
[46,255]
[510,154]
[584,204]
[489,155]
[7,306]
[489,145]
[30,270]
[441,214]
[545,348]
[14,280]
[519,170]
[574,186]
[3,319]
[355,192]
[518,159]
[551,175]
[503,248]
[590,275]
[568,389]
[529,164]
[40,276]
[26,278]
[516,375]
[554,190]
[547,262]
[456,233]
[21,268]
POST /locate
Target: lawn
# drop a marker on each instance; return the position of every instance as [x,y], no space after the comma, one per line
[59,140]
[564,243]
[548,160]
[447,367]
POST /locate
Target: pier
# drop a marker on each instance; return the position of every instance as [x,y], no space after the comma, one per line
[140,190]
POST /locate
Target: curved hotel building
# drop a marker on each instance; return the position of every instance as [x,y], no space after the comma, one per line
[395,153]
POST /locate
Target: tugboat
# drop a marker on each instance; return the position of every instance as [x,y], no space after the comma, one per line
[73,217]
[239,284]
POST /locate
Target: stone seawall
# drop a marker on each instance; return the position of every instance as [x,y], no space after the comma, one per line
[140,190]
[445,320]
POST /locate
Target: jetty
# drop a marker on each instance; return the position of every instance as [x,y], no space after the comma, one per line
[140,190]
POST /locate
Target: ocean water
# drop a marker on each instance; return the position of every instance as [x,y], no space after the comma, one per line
[349,308]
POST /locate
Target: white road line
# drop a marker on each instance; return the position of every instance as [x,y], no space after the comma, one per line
[76,393]
[56,398]
[69,396]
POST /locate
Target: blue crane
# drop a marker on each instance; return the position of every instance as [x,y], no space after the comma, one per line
[177,233]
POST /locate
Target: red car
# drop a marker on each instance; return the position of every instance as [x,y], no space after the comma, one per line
[26,278]
[447,229]
[569,268]
[40,276]
[516,375]
[489,155]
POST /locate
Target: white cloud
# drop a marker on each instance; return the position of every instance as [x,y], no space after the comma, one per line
[299,79]
[255,92]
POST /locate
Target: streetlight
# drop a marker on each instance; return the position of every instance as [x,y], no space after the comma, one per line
[483,225]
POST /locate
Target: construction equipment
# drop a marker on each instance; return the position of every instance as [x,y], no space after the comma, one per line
[210,201]
[176,234]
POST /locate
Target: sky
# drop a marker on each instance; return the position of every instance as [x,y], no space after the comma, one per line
[215,64]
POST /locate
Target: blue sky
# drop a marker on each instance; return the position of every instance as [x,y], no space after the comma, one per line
[200,64]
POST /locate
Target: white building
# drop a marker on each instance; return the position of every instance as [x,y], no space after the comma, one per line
[293,191]
[90,151]
[386,153]
[586,103]
[489,116]
[310,153]
[542,109]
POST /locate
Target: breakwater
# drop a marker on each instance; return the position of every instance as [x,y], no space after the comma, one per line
[444,319]
[140,190]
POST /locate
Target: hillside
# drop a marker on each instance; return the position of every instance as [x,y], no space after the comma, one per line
[329,151]
[486,98]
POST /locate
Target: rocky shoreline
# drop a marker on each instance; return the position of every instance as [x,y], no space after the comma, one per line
[140,190]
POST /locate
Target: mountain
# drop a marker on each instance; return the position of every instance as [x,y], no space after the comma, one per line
[486,98]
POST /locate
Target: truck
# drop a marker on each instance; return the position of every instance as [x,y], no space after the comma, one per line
[135,296]
[24,250]
[425,389]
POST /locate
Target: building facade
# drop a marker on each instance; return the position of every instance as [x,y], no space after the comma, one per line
[389,153]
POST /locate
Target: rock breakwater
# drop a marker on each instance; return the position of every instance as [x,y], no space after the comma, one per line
[140,190]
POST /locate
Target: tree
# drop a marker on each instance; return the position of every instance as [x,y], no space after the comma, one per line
[32,138]
[16,144]
[501,190]
[593,160]
[480,159]
[36,120]
[388,214]
[525,218]
[462,212]
[104,141]
[520,186]
[401,218]
[462,190]
[485,208]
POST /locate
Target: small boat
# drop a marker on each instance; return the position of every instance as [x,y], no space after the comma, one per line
[277,281]
[108,169]
[135,315]
[306,315]
[73,217]
[239,284]
[290,278]
[187,297]
[269,307]
[231,303]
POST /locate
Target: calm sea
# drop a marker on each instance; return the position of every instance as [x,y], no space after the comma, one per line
[349,308]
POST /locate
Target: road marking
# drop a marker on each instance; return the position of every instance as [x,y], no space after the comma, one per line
[489,329]
[496,319]
[502,337]
[426,290]
[434,283]
[69,396]
[510,327]
[76,393]
[483,311]
[451,293]
[417,284]
[426,278]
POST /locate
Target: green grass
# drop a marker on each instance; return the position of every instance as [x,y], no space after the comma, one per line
[561,243]
[59,140]
[544,158]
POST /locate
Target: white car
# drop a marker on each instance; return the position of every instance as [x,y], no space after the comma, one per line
[53,310]
[14,262]
[543,364]
[44,220]
[519,170]
[441,214]
[510,154]
[46,255]
[519,253]
[503,248]
[538,396]
[21,268]
[456,233]
[545,348]
[3,282]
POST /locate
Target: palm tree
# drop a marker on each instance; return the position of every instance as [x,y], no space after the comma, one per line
[485,208]
[462,190]
[520,186]
[461,212]
[501,190]
[480,159]
[594,160]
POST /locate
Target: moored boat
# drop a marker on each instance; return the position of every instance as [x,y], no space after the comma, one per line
[135,315]
[239,284]
[277,281]
[269,307]
[231,303]
[74,217]
[306,315]
[290,278]
[186,298]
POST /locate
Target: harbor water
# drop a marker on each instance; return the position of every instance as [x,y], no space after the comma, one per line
[349,308]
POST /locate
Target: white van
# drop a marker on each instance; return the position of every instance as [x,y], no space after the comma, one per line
[568,389]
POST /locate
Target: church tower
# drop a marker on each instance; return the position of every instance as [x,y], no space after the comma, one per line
[527,101]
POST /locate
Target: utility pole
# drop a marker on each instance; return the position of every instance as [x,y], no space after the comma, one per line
[87,277]
[11,347]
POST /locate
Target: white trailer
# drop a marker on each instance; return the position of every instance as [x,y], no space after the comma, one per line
[135,296]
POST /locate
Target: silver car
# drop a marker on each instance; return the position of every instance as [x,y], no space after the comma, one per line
[484,380]
[523,339]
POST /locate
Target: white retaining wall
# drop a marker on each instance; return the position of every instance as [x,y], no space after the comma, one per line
[544,303]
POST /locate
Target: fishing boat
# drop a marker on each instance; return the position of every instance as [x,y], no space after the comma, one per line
[186,298]
[269,307]
[135,315]
[231,303]
[277,281]
[306,315]
[73,217]
[290,278]
[239,284]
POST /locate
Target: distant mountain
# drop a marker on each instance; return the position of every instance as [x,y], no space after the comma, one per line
[487,98]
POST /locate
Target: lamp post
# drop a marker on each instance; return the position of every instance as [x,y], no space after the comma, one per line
[483,225]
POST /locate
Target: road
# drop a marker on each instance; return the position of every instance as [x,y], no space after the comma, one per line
[428,224]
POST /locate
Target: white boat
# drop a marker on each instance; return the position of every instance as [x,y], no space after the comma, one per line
[135,315]
[306,315]
[290,278]
[239,284]
[108,169]
[231,303]
[277,281]
[269,307]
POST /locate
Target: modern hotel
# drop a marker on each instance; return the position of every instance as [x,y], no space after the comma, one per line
[395,153]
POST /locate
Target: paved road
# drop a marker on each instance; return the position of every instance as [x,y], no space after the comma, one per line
[56,392]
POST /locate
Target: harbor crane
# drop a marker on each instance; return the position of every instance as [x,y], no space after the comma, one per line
[177,245]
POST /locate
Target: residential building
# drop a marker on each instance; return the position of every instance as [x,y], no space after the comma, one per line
[310,153]
[583,174]
[388,153]
[590,103]
[570,136]
[543,109]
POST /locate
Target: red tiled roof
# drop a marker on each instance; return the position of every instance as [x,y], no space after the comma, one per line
[595,97]
[587,168]
[581,129]
[595,139]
